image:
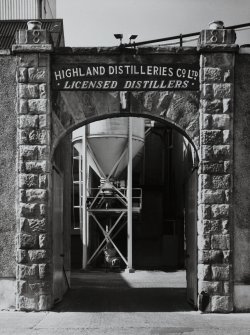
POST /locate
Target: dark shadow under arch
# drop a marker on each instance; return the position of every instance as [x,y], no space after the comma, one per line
[165,121]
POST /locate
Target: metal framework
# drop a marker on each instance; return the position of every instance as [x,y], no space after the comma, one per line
[114,202]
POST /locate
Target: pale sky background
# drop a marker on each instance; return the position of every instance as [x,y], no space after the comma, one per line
[93,22]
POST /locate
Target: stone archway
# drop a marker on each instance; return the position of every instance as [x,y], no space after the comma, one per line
[208,124]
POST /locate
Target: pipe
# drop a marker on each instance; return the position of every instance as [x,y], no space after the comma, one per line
[129,197]
[83,189]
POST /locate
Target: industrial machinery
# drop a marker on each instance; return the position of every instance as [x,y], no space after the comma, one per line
[104,154]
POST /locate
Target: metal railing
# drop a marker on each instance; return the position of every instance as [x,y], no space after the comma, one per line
[179,37]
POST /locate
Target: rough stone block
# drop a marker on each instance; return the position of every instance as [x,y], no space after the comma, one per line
[203,242]
[227,196]
[209,287]
[24,225]
[37,74]
[38,226]
[27,241]
[204,272]
[223,91]
[36,167]
[221,121]
[220,211]
[40,287]
[36,195]
[22,75]
[220,272]
[43,152]
[227,254]
[221,304]
[23,106]
[204,227]
[211,137]
[227,106]
[220,181]
[28,152]
[204,212]
[212,74]
[28,121]
[38,137]
[212,106]
[22,196]
[28,272]
[204,181]
[28,60]
[44,271]
[22,256]
[28,181]
[221,152]
[227,287]
[43,210]
[204,256]
[44,122]
[217,227]
[37,106]
[206,121]
[225,226]
[44,303]
[43,91]
[43,181]
[206,152]
[226,136]
[221,242]
[228,75]
[227,166]
[27,304]
[43,241]
[29,210]
[21,287]
[207,91]
[37,256]
[219,59]
[28,91]
[216,257]
[212,167]
[212,196]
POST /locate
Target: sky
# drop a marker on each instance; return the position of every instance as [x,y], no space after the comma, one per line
[94,22]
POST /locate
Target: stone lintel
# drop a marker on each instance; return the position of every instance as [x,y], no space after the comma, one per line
[233,48]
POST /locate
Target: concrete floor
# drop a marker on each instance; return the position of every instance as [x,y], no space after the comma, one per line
[142,291]
[143,303]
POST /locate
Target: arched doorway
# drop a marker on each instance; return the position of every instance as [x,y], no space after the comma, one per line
[164,221]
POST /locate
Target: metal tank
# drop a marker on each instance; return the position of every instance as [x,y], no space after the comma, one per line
[108,140]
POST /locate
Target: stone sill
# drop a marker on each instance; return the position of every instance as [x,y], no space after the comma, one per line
[32,48]
[5,52]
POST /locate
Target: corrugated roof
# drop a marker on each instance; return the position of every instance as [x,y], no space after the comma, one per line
[8,30]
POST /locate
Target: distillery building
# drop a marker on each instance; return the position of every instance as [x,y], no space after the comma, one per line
[122,159]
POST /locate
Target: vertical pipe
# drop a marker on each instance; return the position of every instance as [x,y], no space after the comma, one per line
[83,193]
[129,196]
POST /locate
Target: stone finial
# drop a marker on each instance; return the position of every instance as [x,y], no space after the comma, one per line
[34,25]
[216,25]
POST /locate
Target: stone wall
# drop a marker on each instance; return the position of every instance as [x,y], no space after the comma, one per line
[215,181]
[33,238]
[8,191]
[242,183]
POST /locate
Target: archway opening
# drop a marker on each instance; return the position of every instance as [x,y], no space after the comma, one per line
[163,198]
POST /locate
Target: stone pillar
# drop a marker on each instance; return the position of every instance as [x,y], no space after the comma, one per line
[215,273]
[34,268]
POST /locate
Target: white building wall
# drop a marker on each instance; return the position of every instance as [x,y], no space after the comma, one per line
[27,9]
